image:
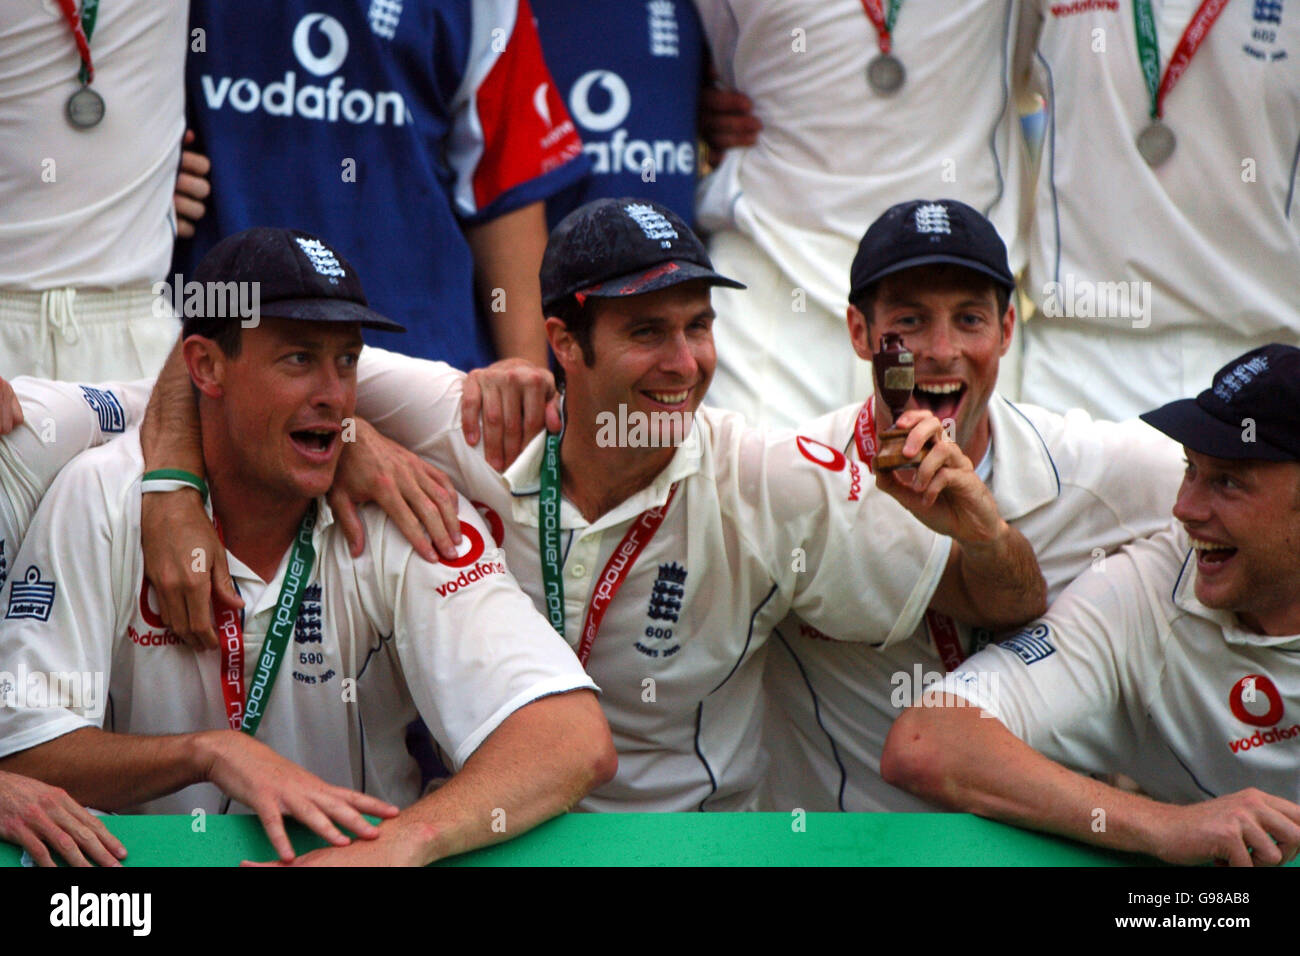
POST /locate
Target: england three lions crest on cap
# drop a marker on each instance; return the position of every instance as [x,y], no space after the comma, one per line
[322,258]
[932,218]
[652,223]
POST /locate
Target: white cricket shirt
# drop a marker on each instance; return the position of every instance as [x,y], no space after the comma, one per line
[90,208]
[60,419]
[1215,229]
[1128,671]
[833,155]
[1077,489]
[760,525]
[378,640]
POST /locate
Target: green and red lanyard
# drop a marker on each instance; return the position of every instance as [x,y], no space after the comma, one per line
[246,713]
[883,20]
[616,569]
[83,27]
[943,629]
[1148,46]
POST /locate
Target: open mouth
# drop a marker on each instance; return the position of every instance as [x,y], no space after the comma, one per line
[941,398]
[314,442]
[1210,555]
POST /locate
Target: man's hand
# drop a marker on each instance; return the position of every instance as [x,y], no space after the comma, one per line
[272,786]
[419,498]
[1246,828]
[515,398]
[192,187]
[34,815]
[396,845]
[185,561]
[943,491]
[11,413]
[726,119]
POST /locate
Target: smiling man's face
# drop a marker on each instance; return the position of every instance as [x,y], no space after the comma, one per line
[1243,518]
[950,320]
[651,353]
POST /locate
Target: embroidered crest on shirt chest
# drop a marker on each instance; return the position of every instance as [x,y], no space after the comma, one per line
[1265,28]
[309,665]
[665,605]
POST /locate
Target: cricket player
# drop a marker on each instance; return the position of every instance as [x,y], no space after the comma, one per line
[1076,488]
[863,103]
[43,424]
[1176,665]
[1166,221]
[675,536]
[673,553]
[347,650]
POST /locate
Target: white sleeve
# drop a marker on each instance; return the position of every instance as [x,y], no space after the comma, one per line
[416,403]
[61,612]
[1069,684]
[472,646]
[858,566]
[60,420]
[1140,470]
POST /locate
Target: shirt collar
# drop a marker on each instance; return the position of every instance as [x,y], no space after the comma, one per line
[523,479]
[324,518]
[1024,474]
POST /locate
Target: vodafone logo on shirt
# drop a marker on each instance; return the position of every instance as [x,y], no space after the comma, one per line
[600,102]
[320,45]
[155,633]
[1255,700]
[471,550]
[832,459]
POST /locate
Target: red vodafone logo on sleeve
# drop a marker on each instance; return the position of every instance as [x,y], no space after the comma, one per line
[832,459]
[492,520]
[1255,700]
[471,548]
[819,453]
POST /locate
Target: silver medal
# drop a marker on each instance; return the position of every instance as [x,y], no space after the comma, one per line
[85,108]
[885,74]
[1156,143]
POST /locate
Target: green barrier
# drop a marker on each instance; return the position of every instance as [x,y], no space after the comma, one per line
[657,839]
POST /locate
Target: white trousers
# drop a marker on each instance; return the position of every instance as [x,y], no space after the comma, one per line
[75,335]
[782,358]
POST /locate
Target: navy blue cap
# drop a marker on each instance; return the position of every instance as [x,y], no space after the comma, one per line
[298,277]
[617,247]
[928,232]
[1261,388]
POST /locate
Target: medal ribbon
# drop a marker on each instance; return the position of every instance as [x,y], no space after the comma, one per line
[83,27]
[882,21]
[616,569]
[247,715]
[1149,48]
[864,433]
[947,639]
